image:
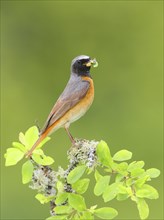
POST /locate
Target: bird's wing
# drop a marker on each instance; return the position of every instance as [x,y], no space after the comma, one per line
[74,91]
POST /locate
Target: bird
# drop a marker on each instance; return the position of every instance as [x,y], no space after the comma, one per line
[73,102]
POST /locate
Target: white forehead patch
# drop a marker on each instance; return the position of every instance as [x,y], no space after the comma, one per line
[81,57]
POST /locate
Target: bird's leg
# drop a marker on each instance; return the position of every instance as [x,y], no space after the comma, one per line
[70,136]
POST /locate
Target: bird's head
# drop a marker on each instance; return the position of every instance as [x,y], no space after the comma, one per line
[81,65]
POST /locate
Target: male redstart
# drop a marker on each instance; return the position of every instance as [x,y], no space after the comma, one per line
[74,101]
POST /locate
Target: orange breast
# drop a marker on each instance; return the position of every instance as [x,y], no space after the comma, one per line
[77,111]
[80,108]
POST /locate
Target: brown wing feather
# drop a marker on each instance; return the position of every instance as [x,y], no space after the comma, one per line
[75,90]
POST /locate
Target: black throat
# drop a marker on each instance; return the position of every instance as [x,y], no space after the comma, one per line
[84,71]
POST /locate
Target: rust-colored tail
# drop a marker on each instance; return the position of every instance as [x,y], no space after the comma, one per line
[43,135]
[29,153]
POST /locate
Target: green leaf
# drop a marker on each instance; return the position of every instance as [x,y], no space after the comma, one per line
[111,192]
[60,186]
[114,167]
[76,216]
[22,139]
[86,216]
[13,156]
[143,208]
[129,181]
[31,136]
[45,140]
[61,198]
[135,165]
[42,159]
[103,154]
[27,171]
[19,146]
[153,172]
[119,177]
[122,197]
[97,175]
[122,168]
[123,189]
[101,185]
[77,202]
[137,172]
[122,155]
[62,209]
[81,186]
[148,192]
[106,213]
[141,181]
[57,217]
[92,208]
[43,199]
[75,174]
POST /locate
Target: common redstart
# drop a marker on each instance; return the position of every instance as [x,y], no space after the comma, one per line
[74,101]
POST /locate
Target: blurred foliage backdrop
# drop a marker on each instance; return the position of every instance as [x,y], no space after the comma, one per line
[38,41]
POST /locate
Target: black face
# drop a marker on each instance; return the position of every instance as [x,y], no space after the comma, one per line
[79,66]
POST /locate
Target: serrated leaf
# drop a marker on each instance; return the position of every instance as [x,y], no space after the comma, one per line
[135,165]
[101,185]
[148,192]
[111,192]
[143,208]
[75,174]
[42,159]
[137,172]
[43,199]
[61,198]
[62,209]
[13,156]
[81,186]
[27,172]
[77,202]
[106,213]
[153,172]
[122,155]
[19,146]
[103,154]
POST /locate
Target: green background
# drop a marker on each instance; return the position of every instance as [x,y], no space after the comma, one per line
[38,41]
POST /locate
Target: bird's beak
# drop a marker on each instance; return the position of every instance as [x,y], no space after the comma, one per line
[92,62]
